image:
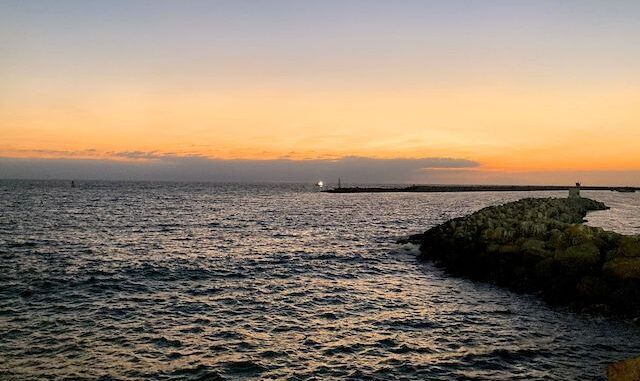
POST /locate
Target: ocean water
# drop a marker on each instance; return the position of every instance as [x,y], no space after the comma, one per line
[172,281]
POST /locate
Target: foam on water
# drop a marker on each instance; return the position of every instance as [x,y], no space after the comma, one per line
[204,281]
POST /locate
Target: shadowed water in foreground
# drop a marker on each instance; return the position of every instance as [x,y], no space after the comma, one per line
[203,281]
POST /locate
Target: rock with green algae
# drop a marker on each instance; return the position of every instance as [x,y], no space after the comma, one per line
[540,245]
[628,370]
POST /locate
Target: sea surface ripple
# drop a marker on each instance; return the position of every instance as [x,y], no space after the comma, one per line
[173,281]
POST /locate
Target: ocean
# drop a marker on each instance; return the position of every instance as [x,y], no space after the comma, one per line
[204,281]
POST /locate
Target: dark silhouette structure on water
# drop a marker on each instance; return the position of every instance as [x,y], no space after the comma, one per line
[575,192]
[478,188]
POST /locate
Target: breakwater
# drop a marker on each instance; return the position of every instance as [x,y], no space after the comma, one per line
[474,188]
[541,246]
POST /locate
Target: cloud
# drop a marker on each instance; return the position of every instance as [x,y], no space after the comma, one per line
[141,165]
[166,166]
[59,153]
[143,155]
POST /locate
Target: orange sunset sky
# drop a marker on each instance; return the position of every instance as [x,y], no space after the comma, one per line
[528,92]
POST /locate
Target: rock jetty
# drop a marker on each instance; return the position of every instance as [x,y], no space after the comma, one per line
[540,245]
[472,188]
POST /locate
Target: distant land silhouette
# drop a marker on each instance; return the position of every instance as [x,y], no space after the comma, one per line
[475,188]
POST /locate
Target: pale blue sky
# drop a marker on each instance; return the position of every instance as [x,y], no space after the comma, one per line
[323,40]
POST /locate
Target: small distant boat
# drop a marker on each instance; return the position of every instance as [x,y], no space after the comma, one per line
[625,190]
[320,184]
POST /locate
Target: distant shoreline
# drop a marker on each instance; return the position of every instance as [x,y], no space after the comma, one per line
[475,188]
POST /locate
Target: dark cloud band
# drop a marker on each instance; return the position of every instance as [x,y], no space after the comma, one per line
[153,166]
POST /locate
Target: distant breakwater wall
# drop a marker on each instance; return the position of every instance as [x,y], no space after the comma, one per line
[473,188]
[540,245]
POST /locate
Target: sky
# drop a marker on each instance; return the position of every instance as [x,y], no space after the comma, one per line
[489,92]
